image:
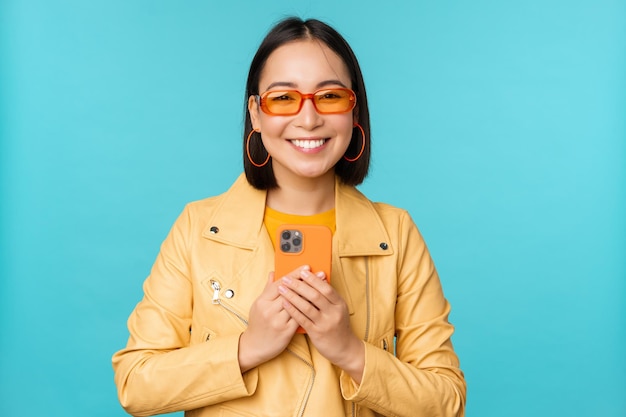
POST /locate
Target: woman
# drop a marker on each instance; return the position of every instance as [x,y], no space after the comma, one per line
[216,334]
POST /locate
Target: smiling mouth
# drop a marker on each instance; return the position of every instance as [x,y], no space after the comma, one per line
[308,144]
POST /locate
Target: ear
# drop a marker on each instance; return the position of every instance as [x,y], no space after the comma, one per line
[253,109]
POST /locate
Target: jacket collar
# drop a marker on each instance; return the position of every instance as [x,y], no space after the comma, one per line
[239,220]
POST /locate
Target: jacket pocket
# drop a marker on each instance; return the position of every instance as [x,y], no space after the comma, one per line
[207,334]
[201,334]
[388,343]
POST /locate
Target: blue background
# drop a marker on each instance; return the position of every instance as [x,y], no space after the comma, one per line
[499,125]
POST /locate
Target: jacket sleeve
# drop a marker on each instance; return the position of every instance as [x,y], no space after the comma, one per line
[423,378]
[158,371]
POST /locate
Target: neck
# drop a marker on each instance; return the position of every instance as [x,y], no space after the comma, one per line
[303,196]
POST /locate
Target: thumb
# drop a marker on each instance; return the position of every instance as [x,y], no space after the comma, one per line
[270,291]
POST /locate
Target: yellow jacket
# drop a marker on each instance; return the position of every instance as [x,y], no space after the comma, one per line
[184,334]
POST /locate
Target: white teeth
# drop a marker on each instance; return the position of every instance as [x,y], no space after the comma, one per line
[308,144]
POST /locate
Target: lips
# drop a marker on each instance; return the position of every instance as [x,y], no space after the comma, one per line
[308,143]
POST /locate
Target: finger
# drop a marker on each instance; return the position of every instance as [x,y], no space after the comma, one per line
[292,324]
[297,316]
[304,305]
[295,274]
[282,316]
[319,282]
[311,288]
[270,292]
[304,290]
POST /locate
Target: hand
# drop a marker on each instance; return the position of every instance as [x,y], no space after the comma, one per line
[320,310]
[270,328]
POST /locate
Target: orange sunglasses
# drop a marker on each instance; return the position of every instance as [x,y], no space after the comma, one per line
[290,102]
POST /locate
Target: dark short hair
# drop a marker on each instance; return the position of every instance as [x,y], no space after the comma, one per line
[289,30]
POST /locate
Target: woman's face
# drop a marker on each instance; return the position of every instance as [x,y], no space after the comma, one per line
[306,145]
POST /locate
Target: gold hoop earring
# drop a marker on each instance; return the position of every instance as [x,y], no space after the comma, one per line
[248,152]
[362,145]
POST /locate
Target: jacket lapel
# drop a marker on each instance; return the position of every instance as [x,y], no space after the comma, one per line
[239,218]
[360,230]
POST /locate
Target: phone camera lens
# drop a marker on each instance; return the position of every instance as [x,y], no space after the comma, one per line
[296,241]
[285,247]
[286,235]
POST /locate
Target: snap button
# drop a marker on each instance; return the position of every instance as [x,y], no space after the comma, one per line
[384,246]
[229,293]
[214,229]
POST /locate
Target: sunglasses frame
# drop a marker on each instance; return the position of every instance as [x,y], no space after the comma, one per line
[262,98]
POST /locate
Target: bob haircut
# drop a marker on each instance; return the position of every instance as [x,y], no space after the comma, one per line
[294,29]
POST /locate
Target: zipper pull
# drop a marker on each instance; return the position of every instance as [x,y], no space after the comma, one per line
[216,291]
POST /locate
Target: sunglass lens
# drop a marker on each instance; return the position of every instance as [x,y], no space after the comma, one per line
[333,101]
[283,102]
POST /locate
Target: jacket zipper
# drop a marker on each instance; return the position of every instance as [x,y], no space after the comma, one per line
[367,314]
[310,387]
[367,300]
[217,300]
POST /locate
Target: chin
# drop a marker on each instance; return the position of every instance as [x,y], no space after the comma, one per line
[313,174]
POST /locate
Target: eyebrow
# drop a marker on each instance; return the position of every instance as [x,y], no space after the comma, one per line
[293,85]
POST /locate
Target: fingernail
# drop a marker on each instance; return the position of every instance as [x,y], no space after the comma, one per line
[304,273]
[320,274]
[286,280]
[282,289]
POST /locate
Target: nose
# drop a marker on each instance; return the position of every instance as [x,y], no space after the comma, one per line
[308,117]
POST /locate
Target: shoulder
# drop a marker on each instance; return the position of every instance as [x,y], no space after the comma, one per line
[239,192]
[204,205]
[395,219]
[237,214]
[355,210]
[387,212]
[200,212]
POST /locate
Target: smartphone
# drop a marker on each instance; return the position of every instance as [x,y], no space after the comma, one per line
[303,244]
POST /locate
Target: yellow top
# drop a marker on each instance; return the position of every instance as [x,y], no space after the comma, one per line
[272,219]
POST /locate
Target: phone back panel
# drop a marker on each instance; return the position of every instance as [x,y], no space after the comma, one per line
[314,249]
